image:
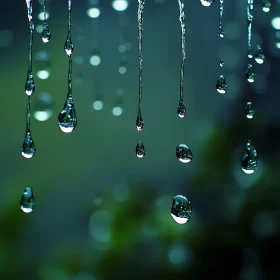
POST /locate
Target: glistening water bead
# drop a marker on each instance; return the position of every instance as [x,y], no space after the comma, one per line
[222,63]
[181,209]
[266,5]
[259,56]
[28,149]
[140,149]
[46,33]
[30,84]
[139,121]
[207,3]
[184,153]
[250,74]
[221,85]
[181,111]
[249,111]
[249,159]
[68,46]
[27,201]
[67,119]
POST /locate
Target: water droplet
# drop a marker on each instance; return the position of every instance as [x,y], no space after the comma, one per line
[222,63]
[249,111]
[67,119]
[250,74]
[221,85]
[27,201]
[46,33]
[68,46]
[30,84]
[207,3]
[259,57]
[181,209]
[266,5]
[221,32]
[139,122]
[250,54]
[183,153]
[28,149]
[140,149]
[249,159]
[181,111]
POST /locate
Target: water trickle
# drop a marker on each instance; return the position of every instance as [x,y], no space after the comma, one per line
[250,74]
[221,85]
[222,63]
[68,46]
[221,29]
[250,6]
[28,149]
[259,56]
[46,33]
[67,119]
[30,84]
[181,209]
[139,122]
[249,159]
[181,111]
[183,153]
[266,5]
[207,3]
[27,201]
[140,149]
[249,111]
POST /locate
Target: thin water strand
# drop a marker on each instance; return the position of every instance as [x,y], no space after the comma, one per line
[250,73]
[266,5]
[46,33]
[184,153]
[259,56]
[249,110]
[250,6]
[181,209]
[221,28]
[68,45]
[27,201]
[249,158]
[140,149]
[221,85]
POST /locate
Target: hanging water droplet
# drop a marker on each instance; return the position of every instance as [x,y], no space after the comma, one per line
[221,85]
[181,111]
[140,149]
[28,149]
[249,159]
[207,3]
[30,84]
[250,54]
[68,46]
[46,33]
[249,111]
[259,57]
[27,201]
[181,209]
[183,153]
[221,32]
[266,5]
[250,74]
[67,119]
[139,122]
[222,63]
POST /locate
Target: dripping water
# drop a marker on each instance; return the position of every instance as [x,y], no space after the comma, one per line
[27,201]
[181,209]
[221,28]
[207,3]
[250,74]
[259,56]
[249,110]
[221,85]
[46,33]
[250,6]
[249,158]
[140,149]
[222,63]
[266,5]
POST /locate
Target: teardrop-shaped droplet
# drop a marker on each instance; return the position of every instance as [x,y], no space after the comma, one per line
[28,149]
[221,85]
[30,84]
[139,122]
[259,57]
[249,159]
[140,149]
[250,74]
[184,153]
[221,32]
[181,209]
[222,63]
[250,54]
[266,5]
[46,33]
[181,111]
[249,111]
[27,201]
[207,3]
[67,119]
[68,46]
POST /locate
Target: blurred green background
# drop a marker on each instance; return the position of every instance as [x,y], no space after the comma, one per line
[101,213]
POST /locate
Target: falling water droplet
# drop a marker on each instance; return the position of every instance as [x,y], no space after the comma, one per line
[183,153]
[181,209]
[249,159]
[221,85]
[221,29]
[30,84]
[221,32]
[207,3]
[28,149]
[139,122]
[181,111]
[68,46]
[222,63]
[140,149]
[250,74]
[259,57]
[266,5]
[46,33]
[27,201]
[67,119]
[249,111]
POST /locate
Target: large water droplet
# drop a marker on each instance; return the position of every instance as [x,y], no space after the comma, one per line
[249,159]
[221,85]
[181,111]
[68,46]
[222,63]
[28,149]
[207,3]
[30,84]
[181,209]
[250,74]
[266,5]
[140,149]
[183,153]
[46,33]
[249,111]
[67,119]
[259,57]
[139,122]
[27,201]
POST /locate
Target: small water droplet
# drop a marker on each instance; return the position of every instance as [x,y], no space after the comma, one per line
[28,149]
[30,84]
[249,159]
[183,153]
[249,111]
[27,201]
[250,54]
[181,111]
[221,85]
[181,209]
[221,32]
[46,33]
[250,74]
[67,119]
[68,46]
[222,63]
[140,149]
[266,5]
[207,3]
[139,122]
[259,57]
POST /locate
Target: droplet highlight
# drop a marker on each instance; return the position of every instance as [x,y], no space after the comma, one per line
[184,153]
[28,149]
[266,5]
[68,46]
[140,149]
[259,57]
[221,85]
[181,111]
[249,159]
[46,33]
[181,209]
[67,119]
[27,201]
[249,111]
[250,74]
[222,63]
[207,3]
[139,122]
[30,84]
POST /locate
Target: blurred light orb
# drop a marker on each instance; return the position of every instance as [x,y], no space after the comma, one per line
[39,28]
[43,106]
[122,70]
[277,45]
[275,22]
[120,5]
[95,60]
[43,74]
[41,16]
[43,116]
[6,38]
[97,105]
[93,12]
[117,111]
